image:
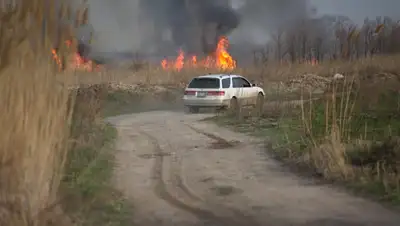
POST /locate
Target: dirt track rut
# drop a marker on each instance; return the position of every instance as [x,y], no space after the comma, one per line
[179,171]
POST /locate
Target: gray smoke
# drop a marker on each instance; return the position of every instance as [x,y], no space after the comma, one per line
[193,25]
[161,27]
[261,18]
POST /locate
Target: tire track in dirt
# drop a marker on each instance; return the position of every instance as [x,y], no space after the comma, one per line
[272,197]
[206,212]
[219,142]
[176,170]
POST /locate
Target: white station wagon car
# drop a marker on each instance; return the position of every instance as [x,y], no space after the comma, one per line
[221,91]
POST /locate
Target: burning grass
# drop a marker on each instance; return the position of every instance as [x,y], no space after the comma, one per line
[219,59]
[73,61]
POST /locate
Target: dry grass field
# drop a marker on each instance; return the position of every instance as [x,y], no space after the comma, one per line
[54,146]
[344,130]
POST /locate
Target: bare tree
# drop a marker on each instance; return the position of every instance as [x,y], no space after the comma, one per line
[291,41]
[278,38]
[261,56]
[303,38]
[333,36]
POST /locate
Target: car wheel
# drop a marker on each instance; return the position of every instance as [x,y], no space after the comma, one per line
[259,106]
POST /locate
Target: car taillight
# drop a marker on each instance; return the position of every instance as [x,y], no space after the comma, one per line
[216,93]
[190,93]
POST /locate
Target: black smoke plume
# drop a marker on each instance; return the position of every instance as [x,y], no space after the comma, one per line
[195,26]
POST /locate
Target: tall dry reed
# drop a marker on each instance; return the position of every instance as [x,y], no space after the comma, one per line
[35,121]
[35,114]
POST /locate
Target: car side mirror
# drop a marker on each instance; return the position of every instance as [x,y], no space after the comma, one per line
[253,84]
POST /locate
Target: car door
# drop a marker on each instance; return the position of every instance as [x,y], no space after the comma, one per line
[242,89]
[245,89]
[249,91]
[237,87]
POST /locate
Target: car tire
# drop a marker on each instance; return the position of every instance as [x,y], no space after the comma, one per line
[259,106]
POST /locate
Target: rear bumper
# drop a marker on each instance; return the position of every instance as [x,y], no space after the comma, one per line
[205,102]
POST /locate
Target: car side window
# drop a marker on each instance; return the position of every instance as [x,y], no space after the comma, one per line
[226,83]
[245,83]
[237,82]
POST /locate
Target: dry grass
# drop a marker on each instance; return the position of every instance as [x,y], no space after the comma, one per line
[349,133]
[87,109]
[36,114]
[36,111]
[35,121]
[330,155]
[357,125]
[272,77]
[330,135]
[89,196]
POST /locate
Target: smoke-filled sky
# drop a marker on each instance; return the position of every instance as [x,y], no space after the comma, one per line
[143,25]
[357,10]
[147,25]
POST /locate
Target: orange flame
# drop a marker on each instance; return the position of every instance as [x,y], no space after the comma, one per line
[57,59]
[76,62]
[221,59]
[180,60]
[194,60]
[224,59]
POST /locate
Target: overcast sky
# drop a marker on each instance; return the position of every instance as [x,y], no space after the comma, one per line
[357,10]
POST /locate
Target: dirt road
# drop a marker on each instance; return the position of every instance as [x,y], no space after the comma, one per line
[179,171]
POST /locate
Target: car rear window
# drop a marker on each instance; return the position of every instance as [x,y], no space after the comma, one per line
[205,83]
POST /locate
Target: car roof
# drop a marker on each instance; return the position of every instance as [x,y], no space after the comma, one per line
[219,76]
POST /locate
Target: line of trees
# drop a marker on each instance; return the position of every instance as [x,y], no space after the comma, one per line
[331,38]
